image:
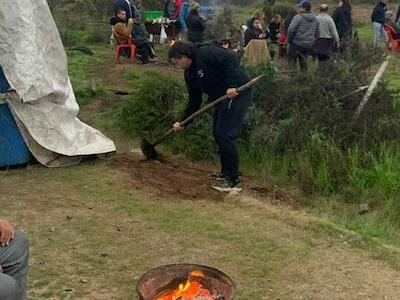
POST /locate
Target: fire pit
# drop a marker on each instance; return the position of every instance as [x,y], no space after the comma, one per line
[185,282]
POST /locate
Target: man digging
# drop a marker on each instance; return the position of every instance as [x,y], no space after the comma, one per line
[216,71]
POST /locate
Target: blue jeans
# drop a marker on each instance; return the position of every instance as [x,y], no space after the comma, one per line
[14,261]
[379,32]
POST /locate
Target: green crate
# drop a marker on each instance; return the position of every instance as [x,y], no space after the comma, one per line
[153,15]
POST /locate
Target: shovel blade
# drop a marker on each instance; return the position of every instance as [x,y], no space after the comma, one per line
[148,149]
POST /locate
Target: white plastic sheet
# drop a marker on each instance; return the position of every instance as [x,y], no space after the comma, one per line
[35,64]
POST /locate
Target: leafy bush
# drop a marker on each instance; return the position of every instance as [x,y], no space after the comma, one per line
[151,110]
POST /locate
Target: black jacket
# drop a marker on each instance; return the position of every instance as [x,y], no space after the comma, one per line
[195,26]
[378,15]
[213,71]
[252,33]
[343,20]
[274,30]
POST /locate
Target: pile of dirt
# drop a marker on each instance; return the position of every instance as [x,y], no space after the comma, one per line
[177,178]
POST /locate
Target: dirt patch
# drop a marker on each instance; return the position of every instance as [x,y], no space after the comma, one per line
[176,178]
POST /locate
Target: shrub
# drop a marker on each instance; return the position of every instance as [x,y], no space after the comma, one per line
[151,110]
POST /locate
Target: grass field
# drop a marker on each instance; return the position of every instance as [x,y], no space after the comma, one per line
[93,231]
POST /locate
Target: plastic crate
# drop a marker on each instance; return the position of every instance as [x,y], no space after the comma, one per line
[152,15]
[13,150]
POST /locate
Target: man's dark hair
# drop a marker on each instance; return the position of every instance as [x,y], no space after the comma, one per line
[180,49]
[307,6]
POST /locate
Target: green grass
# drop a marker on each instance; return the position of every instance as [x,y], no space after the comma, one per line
[82,72]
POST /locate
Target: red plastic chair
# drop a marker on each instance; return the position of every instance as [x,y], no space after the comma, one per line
[395,43]
[120,48]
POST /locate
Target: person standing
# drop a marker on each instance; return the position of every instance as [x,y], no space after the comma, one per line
[275,28]
[216,72]
[195,26]
[14,262]
[302,33]
[343,20]
[378,20]
[328,36]
[183,15]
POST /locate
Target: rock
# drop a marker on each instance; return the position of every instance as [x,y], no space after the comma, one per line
[84,280]
[364,208]
[52,229]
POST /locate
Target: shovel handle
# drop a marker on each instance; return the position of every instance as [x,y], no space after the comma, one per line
[208,107]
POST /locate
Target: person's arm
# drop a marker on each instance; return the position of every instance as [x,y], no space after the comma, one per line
[293,26]
[195,98]
[7,233]
[222,59]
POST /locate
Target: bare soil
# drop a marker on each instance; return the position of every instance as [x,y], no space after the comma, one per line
[177,178]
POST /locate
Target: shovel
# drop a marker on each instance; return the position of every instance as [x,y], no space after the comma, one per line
[149,149]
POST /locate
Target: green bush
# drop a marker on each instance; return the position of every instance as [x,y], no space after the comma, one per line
[151,110]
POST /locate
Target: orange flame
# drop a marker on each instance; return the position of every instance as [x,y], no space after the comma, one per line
[192,289]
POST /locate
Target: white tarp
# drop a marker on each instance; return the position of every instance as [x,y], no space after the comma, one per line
[35,64]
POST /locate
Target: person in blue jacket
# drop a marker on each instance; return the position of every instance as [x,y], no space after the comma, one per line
[185,10]
[378,20]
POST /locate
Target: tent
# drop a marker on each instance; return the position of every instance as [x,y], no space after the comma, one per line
[40,96]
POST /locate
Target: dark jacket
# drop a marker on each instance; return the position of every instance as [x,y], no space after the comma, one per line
[397,15]
[303,30]
[251,33]
[343,21]
[378,15]
[131,10]
[213,71]
[274,30]
[195,27]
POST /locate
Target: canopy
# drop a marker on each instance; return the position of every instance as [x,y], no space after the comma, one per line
[43,103]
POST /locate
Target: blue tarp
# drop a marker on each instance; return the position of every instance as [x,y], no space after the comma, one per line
[13,150]
[4,86]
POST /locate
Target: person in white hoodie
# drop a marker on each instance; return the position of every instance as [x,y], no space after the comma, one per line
[328,39]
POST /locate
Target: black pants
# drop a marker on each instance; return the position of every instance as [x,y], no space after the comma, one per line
[300,54]
[227,123]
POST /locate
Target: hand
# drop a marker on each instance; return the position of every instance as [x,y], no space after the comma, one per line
[7,233]
[262,35]
[178,127]
[130,21]
[1,269]
[278,35]
[232,92]
[338,45]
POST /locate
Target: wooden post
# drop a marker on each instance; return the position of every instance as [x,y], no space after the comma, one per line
[372,86]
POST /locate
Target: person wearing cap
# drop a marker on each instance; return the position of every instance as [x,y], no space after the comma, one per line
[328,35]
[378,20]
[302,33]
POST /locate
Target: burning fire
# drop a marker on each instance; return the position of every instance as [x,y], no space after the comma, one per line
[192,289]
